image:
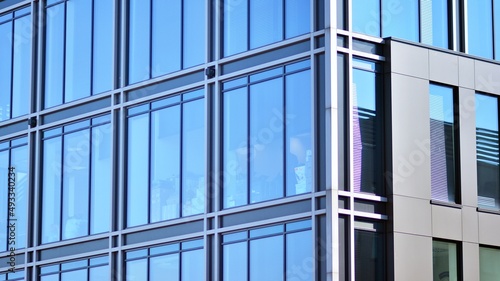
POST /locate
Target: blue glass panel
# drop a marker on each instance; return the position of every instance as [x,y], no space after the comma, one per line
[138,170]
[166,49]
[193,266]
[400,19]
[297,16]
[264,231]
[78,49]
[21,89]
[49,278]
[102,69]
[193,33]
[51,202]
[164,249]
[496,20]
[298,225]
[266,259]
[100,260]
[165,102]
[99,273]
[76,185]
[5,69]
[76,126]
[193,94]
[139,40]
[366,17]
[54,50]
[235,153]
[299,256]
[434,23]
[165,164]
[298,66]
[74,264]
[137,270]
[487,152]
[442,143]
[100,188]
[235,260]
[20,163]
[49,269]
[164,267]
[266,22]
[192,244]
[136,254]
[4,165]
[480,28]
[235,236]
[299,158]
[235,83]
[235,27]
[266,74]
[266,141]
[193,158]
[101,119]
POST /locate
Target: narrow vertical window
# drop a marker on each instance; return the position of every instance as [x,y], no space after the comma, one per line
[487,152]
[444,144]
[366,17]
[445,261]
[434,23]
[480,28]
[369,251]
[400,19]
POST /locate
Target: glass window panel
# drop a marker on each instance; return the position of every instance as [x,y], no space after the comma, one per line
[434,20]
[266,259]
[78,49]
[165,102]
[193,95]
[193,158]
[137,270]
[496,28]
[400,19]
[235,259]
[139,40]
[5,69]
[20,162]
[49,278]
[54,37]
[136,254]
[444,261]
[164,249]
[4,165]
[235,148]
[278,71]
[235,236]
[100,189]
[366,17]
[193,266]
[489,259]
[298,225]
[487,152]
[99,273]
[369,255]
[138,167]
[165,164]
[192,244]
[51,212]
[75,185]
[100,260]
[74,264]
[367,154]
[21,90]
[166,50]
[235,27]
[266,22]
[299,256]
[297,17]
[103,48]
[266,144]
[480,28]
[161,267]
[264,231]
[442,143]
[193,33]
[78,275]
[299,159]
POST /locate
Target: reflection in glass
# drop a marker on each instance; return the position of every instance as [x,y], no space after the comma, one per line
[266,259]
[442,143]
[193,33]
[266,144]
[444,261]
[5,69]
[99,273]
[435,23]
[299,255]
[52,154]
[76,275]
[138,53]
[54,75]
[21,90]
[235,259]
[166,42]
[400,19]
[235,28]
[487,152]
[193,265]
[369,255]
[480,28]
[266,25]
[163,266]
[19,160]
[366,17]
[137,270]
[297,17]
[4,165]
[102,68]
[489,259]
[496,27]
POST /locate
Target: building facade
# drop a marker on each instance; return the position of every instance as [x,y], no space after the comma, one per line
[241,140]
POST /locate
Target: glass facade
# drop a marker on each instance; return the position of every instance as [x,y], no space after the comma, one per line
[489,258]
[445,261]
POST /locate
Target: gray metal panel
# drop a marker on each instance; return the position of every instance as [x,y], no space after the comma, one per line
[446,222]
[466,73]
[486,77]
[489,229]
[470,224]
[409,60]
[443,67]
[412,257]
[412,215]
[470,261]
[410,137]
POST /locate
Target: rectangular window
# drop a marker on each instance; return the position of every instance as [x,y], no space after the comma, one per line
[487,152]
[267,135]
[76,180]
[480,28]
[285,251]
[367,130]
[445,261]
[435,23]
[369,251]
[444,144]
[94,269]
[180,261]
[489,259]
[166,153]
[14,154]
[78,50]
[15,66]
[14,276]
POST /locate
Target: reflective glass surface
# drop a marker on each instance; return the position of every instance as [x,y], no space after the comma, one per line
[489,259]
[369,255]
[52,154]
[235,27]
[266,259]
[192,267]
[366,17]
[163,266]
[487,152]
[5,69]
[442,143]
[434,20]
[445,261]
[235,259]
[400,19]
[54,55]
[193,50]
[480,28]
[21,73]
[166,42]
[266,25]
[139,44]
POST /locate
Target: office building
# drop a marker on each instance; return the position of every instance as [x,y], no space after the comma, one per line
[245,140]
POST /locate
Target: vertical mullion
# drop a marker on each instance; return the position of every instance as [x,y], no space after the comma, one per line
[11,90]
[283,20]
[92,26]
[283,82]
[64,54]
[182,39]
[249,191]
[181,154]
[61,186]
[150,70]
[89,186]
[248,24]
[150,126]
[493,28]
